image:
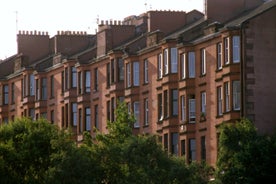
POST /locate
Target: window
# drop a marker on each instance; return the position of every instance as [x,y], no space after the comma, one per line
[219,56]
[108,74]
[12,93]
[87,119]
[136,73]
[226,50]
[203,61]
[96,119]
[192,110]
[52,116]
[66,76]
[146,71]
[128,77]
[166,142]
[192,149]
[183,108]
[183,146]
[160,107]
[32,113]
[24,85]
[203,148]
[52,86]
[6,94]
[227,97]
[112,71]
[160,66]
[146,113]
[62,82]
[165,60]
[120,69]
[96,80]
[219,100]
[74,111]
[174,143]
[80,91]
[166,104]
[183,66]
[108,111]
[236,49]
[80,121]
[236,95]
[174,66]
[73,77]
[32,85]
[87,81]
[174,102]
[37,86]
[113,106]
[203,102]
[136,110]
[44,88]
[191,57]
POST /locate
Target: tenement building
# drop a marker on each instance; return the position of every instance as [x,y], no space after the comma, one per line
[180,73]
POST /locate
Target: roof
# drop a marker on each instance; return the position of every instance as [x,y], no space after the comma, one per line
[251,14]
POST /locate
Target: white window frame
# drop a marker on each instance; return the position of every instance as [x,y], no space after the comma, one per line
[160,66]
[219,56]
[203,61]
[226,51]
[166,61]
[183,66]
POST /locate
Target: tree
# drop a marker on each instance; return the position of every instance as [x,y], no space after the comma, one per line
[126,158]
[39,152]
[244,156]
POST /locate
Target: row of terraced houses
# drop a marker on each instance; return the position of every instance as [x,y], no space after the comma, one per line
[180,73]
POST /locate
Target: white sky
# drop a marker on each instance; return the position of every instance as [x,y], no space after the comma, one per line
[73,15]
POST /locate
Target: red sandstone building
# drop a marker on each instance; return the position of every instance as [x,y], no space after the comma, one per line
[181,74]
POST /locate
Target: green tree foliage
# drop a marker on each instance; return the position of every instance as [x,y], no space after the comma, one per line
[245,156]
[126,158]
[38,152]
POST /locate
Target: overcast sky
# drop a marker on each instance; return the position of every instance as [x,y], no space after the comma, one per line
[73,15]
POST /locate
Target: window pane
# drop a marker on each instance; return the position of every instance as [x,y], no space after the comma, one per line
[87,119]
[219,56]
[32,85]
[236,49]
[183,66]
[136,114]
[165,60]
[192,110]
[203,61]
[136,73]
[146,69]
[73,77]
[160,66]
[174,60]
[174,102]
[191,56]
[87,81]
[236,95]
